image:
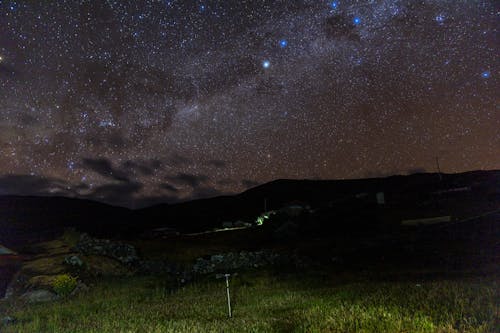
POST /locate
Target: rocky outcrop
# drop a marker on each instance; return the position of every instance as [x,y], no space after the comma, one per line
[224,262]
[246,260]
[74,261]
[124,253]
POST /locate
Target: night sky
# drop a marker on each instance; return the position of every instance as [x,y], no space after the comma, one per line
[139,102]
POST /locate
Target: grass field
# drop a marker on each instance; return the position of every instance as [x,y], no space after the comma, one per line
[266,302]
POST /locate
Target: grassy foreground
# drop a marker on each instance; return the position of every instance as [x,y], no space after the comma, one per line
[266,303]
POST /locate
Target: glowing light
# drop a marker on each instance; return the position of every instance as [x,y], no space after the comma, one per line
[486,74]
[266,64]
[1,58]
[356,20]
[440,18]
[334,4]
[283,43]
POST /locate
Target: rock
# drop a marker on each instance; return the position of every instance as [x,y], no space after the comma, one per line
[74,261]
[39,296]
[124,253]
[8,321]
[80,288]
[245,260]
[158,266]
[40,282]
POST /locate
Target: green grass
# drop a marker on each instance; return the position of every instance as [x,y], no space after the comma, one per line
[267,303]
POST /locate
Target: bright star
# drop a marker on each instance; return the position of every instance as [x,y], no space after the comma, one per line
[440,18]
[334,4]
[283,43]
[356,20]
[1,58]
[266,64]
[71,165]
[486,74]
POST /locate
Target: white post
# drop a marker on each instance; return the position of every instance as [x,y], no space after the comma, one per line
[228,297]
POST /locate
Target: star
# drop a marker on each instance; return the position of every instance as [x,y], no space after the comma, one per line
[440,18]
[126,82]
[486,74]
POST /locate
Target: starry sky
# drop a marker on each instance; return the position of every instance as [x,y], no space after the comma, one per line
[140,102]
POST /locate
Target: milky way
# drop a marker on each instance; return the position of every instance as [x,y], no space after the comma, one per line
[137,102]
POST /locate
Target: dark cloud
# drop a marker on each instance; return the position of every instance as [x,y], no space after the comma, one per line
[104,168]
[122,194]
[32,185]
[226,182]
[110,138]
[188,179]
[126,194]
[144,167]
[177,160]
[168,187]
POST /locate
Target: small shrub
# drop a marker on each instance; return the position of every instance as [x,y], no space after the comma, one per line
[64,284]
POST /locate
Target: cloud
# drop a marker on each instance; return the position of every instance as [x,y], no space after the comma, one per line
[105,168]
[144,167]
[168,187]
[122,194]
[177,160]
[32,185]
[226,182]
[126,194]
[188,179]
